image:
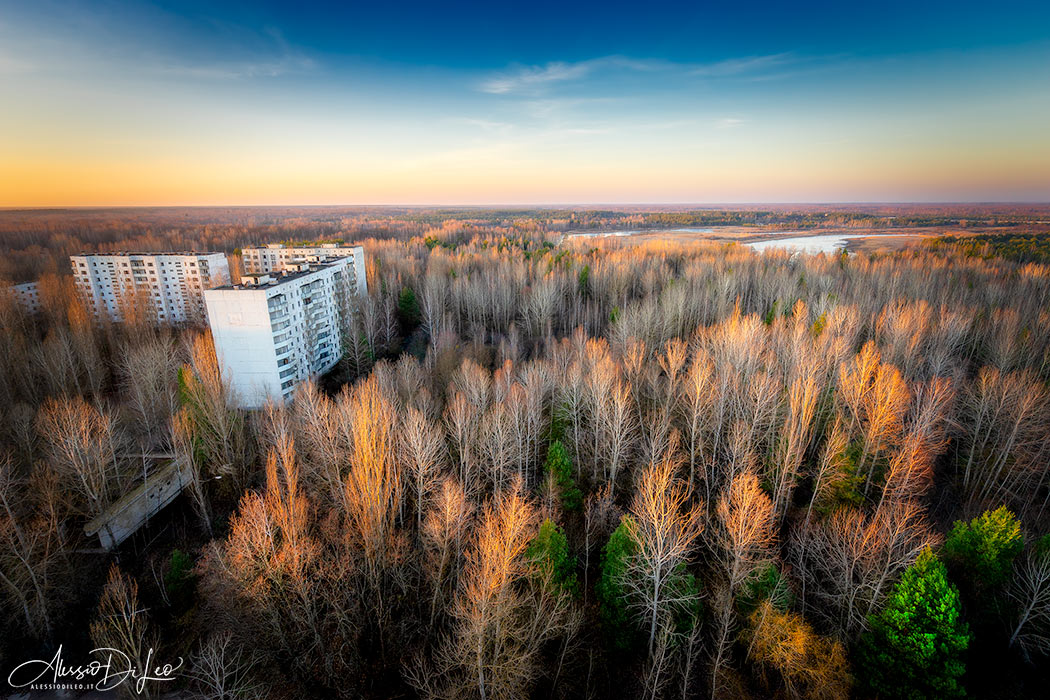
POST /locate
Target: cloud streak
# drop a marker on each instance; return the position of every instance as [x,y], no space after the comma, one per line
[742,66]
[534,80]
[230,53]
[535,76]
[272,57]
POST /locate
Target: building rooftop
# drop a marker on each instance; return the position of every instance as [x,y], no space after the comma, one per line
[266,280]
[308,244]
[147,253]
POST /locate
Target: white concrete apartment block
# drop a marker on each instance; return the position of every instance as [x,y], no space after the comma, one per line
[27,295]
[276,256]
[171,283]
[275,330]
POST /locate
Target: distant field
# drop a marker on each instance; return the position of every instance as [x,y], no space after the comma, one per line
[872,240]
[984,241]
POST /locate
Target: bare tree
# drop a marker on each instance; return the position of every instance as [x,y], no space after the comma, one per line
[148,371]
[421,452]
[461,423]
[744,539]
[188,456]
[85,447]
[122,626]
[500,627]
[848,562]
[877,398]
[268,575]
[372,489]
[910,472]
[1007,440]
[218,427]
[831,465]
[802,396]
[32,549]
[694,406]
[665,527]
[444,538]
[1030,591]
[223,670]
[616,430]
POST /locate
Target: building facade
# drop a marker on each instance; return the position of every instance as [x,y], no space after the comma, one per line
[27,295]
[275,330]
[170,285]
[276,256]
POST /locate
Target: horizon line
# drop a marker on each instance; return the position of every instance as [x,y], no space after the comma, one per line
[529,205]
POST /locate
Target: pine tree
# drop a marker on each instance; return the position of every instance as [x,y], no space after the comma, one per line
[915,646]
[982,551]
[611,592]
[560,465]
[550,557]
[408,310]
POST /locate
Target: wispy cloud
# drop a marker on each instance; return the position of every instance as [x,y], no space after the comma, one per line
[728,123]
[487,125]
[534,80]
[535,76]
[230,53]
[741,66]
[271,56]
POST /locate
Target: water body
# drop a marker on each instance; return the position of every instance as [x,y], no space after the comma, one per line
[810,245]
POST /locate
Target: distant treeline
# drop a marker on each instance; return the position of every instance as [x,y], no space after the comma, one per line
[38,242]
[1023,248]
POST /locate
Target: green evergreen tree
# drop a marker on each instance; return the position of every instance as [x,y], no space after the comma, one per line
[560,465]
[767,584]
[915,646]
[612,597]
[981,553]
[583,281]
[685,587]
[408,310]
[549,553]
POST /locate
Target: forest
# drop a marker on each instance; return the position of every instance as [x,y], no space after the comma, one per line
[549,469]
[1018,247]
[38,242]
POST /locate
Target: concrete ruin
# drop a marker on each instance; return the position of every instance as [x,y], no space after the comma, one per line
[122,519]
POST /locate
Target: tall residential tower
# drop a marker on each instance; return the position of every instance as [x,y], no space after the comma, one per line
[277,329]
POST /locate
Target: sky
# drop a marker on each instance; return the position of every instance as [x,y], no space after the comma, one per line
[110,102]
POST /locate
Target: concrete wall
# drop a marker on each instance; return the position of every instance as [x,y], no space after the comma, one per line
[240,324]
[123,519]
[359,271]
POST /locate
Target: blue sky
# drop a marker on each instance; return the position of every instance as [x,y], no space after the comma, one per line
[252,103]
